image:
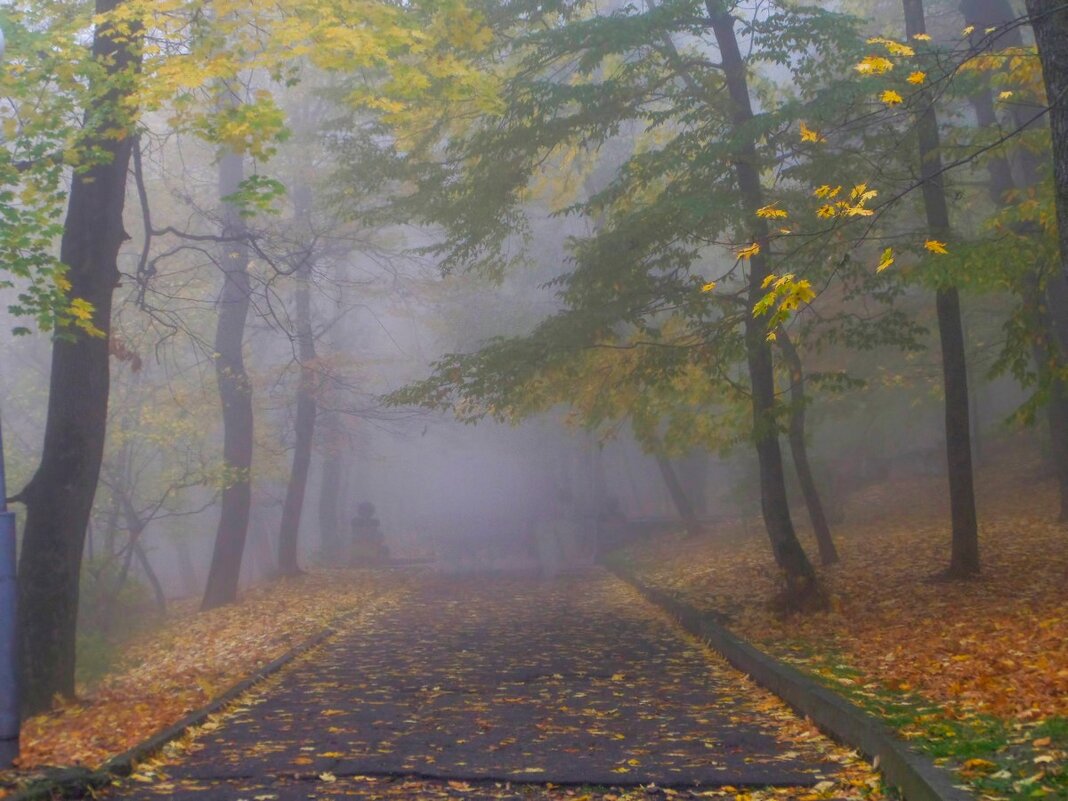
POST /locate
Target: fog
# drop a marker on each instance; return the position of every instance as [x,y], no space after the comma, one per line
[481,306]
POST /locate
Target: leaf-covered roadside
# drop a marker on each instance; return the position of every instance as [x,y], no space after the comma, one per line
[975,672]
[168,672]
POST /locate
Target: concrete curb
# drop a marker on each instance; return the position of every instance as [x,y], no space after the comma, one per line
[78,782]
[914,775]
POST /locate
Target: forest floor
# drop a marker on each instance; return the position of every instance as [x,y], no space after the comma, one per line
[973,672]
[164,673]
[507,688]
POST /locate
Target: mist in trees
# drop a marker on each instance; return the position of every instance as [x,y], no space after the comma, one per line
[475,262]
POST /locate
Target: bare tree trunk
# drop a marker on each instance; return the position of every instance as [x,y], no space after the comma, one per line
[304,425]
[235,393]
[330,492]
[800,577]
[964,558]
[799,450]
[153,579]
[1049,19]
[59,497]
[678,495]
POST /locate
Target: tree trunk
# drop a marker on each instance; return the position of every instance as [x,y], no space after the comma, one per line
[153,579]
[330,492]
[1048,347]
[693,476]
[59,497]
[678,495]
[789,555]
[1049,19]
[799,450]
[235,394]
[964,558]
[304,424]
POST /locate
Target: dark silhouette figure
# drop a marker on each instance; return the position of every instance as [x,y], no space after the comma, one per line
[368,542]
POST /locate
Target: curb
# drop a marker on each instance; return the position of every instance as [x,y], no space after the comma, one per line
[79,782]
[914,775]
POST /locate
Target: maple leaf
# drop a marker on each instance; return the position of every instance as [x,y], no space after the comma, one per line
[891,97]
[874,65]
[935,246]
[748,251]
[772,213]
[894,48]
[810,135]
[917,78]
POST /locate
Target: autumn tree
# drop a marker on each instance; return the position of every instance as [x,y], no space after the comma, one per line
[964,557]
[677,70]
[59,497]
[235,391]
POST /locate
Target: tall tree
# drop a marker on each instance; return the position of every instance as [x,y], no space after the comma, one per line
[59,497]
[235,389]
[1049,19]
[304,422]
[788,552]
[964,553]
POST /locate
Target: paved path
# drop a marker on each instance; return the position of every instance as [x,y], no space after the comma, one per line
[493,681]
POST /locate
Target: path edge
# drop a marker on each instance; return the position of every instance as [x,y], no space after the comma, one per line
[915,776]
[79,782]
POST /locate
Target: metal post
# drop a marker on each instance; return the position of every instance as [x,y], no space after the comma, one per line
[9,688]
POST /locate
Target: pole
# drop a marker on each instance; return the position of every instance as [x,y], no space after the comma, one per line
[9,688]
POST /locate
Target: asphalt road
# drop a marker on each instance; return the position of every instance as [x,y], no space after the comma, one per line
[491,687]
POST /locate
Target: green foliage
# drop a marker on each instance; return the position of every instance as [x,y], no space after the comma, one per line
[256,195]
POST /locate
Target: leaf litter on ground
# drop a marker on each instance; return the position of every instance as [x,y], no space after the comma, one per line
[165,673]
[975,671]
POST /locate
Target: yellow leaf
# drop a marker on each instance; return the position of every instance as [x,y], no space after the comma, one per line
[935,246]
[917,78]
[709,287]
[874,65]
[922,37]
[886,261]
[891,98]
[327,777]
[894,48]
[772,213]
[749,251]
[809,135]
